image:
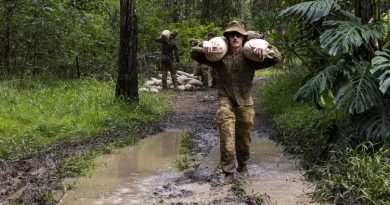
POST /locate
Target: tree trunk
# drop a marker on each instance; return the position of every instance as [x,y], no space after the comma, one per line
[242,9]
[365,10]
[7,38]
[127,84]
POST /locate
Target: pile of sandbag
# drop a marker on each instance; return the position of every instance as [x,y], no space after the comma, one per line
[186,82]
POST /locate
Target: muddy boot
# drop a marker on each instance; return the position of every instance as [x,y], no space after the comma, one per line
[242,168]
[228,178]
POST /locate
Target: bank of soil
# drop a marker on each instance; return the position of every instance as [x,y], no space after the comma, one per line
[275,178]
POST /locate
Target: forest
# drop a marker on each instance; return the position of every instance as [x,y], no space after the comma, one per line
[71,70]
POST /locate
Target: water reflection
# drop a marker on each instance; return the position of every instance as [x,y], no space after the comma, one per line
[131,174]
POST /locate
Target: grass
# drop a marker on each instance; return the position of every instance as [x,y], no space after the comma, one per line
[36,115]
[182,161]
[255,198]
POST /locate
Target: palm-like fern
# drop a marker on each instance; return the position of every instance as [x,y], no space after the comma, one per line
[311,11]
[361,91]
[358,91]
[381,67]
[344,36]
[318,85]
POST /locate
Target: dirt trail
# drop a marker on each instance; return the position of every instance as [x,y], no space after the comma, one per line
[272,175]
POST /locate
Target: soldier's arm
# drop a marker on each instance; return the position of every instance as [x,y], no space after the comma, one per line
[270,61]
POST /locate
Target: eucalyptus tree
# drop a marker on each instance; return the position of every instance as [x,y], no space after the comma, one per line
[348,59]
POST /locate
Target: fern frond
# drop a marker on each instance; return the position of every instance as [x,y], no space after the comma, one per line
[310,11]
[381,67]
[316,86]
[375,123]
[360,93]
[347,35]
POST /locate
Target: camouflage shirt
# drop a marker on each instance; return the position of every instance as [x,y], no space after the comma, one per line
[168,49]
[235,74]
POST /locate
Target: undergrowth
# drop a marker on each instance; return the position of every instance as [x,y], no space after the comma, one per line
[35,115]
[341,172]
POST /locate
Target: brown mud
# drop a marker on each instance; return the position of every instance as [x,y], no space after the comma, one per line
[274,176]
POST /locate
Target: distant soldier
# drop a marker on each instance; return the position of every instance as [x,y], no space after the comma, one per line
[203,70]
[169,51]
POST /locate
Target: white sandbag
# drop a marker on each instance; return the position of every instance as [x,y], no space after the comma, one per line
[182,88]
[159,88]
[220,48]
[141,90]
[188,87]
[195,82]
[149,83]
[156,81]
[254,43]
[153,90]
[166,34]
[184,73]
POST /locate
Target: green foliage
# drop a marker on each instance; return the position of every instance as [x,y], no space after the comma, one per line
[360,92]
[381,67]
[80,164]
[342,50]
[302,127]
[56,112]
[344,36]
[361,175]
[182,161]
[254,198]
[311,11]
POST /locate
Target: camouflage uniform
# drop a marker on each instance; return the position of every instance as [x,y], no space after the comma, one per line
[169,50]
[235,113]
[202,71]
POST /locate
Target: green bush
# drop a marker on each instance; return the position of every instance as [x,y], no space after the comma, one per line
[359,175]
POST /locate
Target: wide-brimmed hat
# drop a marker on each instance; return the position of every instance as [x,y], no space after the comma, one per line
[236,26]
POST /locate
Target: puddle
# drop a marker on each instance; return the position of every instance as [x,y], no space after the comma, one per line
[274,173]
[130,175]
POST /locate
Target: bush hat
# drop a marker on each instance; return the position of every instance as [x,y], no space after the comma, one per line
[236,26]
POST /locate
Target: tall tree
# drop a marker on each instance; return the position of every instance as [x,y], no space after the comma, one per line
[127,84]
[365,10]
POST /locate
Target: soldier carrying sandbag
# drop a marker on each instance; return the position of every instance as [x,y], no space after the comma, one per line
[169,51]
[236,62]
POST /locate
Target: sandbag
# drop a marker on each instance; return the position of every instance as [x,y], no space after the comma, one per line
[166,34]
[219,51]
[251,44]
[195,82]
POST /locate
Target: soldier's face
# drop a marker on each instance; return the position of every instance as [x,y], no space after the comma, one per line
[235,39]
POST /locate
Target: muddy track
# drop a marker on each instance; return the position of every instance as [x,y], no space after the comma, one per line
[28,178]
[203,183]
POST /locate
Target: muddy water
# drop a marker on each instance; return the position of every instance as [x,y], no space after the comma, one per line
[130,175]
[274,173]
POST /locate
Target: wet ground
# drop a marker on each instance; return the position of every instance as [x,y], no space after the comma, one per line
[145,174]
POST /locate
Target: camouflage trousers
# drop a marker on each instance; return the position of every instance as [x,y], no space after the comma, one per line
[167,65]
[234,123]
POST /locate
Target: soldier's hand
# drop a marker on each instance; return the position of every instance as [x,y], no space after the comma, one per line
[207,47]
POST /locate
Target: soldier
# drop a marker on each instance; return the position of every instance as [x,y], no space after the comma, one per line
[169,50]
[235,114]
